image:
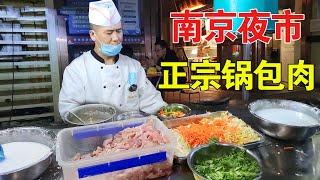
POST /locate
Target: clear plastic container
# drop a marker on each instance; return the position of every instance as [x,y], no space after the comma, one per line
[130,164]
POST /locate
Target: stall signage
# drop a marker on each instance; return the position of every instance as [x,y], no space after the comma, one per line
[78,3]
[73,10]
[245,6]
[187,26]
[129,10]
[239,74]
[78,24]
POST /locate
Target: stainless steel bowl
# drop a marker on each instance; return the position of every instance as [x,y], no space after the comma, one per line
[285,131]
[130,115]
[29,134]
[206,151]
[91,114]
[185,109]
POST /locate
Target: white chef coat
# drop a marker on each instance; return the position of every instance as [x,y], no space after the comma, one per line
[89,81]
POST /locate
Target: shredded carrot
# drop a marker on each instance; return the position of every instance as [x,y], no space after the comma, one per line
[225,130]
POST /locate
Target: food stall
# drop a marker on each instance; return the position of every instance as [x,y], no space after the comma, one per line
[267,136]
[277,157]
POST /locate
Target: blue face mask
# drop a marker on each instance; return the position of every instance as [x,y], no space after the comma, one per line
[110,50]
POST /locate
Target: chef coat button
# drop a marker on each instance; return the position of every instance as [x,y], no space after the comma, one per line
[117,67]
[101,67]
[120,105]
[104,87]
[119,85]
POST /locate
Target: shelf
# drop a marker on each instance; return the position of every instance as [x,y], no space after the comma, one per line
[25,96]
[21,70]
[33,9]
[23,30]
[32,18]
[24,42]
[26,117]
[26,91]
[26,80]
[24,18]
[8,87]
[22,75]
[3,65]
[8,108]
[23,53]
[8,17]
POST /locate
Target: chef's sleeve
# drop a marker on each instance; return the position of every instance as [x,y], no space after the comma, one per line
[72,91]
[149,97]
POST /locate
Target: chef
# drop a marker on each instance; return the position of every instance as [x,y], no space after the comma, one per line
[104,76]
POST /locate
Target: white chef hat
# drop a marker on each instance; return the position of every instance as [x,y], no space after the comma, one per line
[103,13]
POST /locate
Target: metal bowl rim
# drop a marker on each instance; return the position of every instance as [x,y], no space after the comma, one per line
[97,122]
[175,104]
[89,105]
[130,113]
[45,158]
[42,159]
[282,124]
[50,134]
[194,150]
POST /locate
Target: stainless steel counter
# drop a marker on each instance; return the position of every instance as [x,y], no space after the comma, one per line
[287,160]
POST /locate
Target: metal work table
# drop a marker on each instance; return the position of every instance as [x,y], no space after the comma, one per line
[286,160]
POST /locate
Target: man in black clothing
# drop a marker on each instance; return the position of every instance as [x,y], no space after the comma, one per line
[165,54]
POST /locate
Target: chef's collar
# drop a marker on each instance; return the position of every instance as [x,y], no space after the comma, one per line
[100,59]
